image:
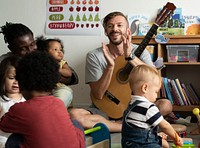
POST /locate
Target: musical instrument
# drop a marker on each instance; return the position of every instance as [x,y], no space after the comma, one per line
[196,113]
[118,94]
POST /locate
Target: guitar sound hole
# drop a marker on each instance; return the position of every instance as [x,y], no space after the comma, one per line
[122,76]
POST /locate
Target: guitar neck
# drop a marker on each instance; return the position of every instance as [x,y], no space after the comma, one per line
[146,40]
[128,67]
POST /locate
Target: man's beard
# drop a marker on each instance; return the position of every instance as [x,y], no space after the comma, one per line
[115,42]
[118,42]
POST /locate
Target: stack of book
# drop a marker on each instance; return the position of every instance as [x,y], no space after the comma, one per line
[179,93]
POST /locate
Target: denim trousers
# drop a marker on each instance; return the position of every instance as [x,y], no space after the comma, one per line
[136,137]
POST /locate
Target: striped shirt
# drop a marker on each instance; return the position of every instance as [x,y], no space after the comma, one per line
[144,115]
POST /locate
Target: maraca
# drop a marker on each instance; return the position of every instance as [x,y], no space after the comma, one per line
[196,113]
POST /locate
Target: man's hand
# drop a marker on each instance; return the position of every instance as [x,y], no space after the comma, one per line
[126,38]
[108,55]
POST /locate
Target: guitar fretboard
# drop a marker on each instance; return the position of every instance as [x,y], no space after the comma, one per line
[146,40]
[128,67]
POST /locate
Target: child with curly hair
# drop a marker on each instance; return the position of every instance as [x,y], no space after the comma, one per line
[9,89]
[142,118]
[55,48]
[42,121]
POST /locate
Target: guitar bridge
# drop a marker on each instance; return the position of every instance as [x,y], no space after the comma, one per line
[111,97]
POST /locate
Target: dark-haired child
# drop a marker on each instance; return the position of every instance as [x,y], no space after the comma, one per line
[42,120]
[9,89]
[55,48]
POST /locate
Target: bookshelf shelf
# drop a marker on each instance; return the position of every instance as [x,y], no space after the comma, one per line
[182,63]
[184,108]
[186,72]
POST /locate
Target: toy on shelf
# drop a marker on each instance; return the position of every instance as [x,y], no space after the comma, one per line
[197,130]
[196,113]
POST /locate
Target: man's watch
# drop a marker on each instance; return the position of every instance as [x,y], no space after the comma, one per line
[131,57]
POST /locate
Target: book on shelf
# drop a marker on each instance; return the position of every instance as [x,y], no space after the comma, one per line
[180,89]
[193,93]
[177,96]
[186,96]
[190,97]
[174,25]
[179,93]
[167,89]
[139,24]
[192,24]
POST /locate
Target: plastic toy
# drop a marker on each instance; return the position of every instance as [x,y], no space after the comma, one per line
[196,113]
[99,133]
[187,143]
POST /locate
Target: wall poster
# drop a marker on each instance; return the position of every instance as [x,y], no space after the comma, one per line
[73,17]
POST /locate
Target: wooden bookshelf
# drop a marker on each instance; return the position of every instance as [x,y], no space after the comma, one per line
[184,108]
[187,72]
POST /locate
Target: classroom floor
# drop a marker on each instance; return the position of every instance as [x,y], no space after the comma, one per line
[116,137]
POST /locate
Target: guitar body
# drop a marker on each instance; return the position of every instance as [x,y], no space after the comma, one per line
[119,90]
[118,94]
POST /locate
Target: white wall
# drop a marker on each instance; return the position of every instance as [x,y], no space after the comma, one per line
[33,14]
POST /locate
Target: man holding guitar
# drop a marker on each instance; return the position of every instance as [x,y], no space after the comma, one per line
[102,73]
[100,63]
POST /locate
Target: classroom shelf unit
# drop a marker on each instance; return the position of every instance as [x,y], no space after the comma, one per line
[186,72]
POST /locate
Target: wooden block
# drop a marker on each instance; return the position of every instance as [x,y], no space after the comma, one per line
[102,144]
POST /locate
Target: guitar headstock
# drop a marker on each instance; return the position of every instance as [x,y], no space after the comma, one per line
[165,13]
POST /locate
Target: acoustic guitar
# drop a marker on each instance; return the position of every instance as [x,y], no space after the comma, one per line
[118,94]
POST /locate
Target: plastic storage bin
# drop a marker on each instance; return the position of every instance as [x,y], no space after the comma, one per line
[182,53]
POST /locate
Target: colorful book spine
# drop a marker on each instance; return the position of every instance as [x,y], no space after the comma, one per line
[177,94]
[188,93]
[166,85]
[193,93]
[181,91]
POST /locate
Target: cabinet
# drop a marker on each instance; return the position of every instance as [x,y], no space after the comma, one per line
[186,72]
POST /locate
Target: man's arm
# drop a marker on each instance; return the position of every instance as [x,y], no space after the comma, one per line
[145,57]
[99,87]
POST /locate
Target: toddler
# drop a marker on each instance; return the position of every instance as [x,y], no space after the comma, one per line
[142,118]
[55,48]
[9,89]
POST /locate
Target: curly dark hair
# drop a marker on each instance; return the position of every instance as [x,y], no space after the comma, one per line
[43,43]
[38,71]
[11,31]
[4,67]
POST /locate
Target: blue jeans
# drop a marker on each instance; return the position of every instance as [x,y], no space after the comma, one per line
[136,137]
[140,138]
